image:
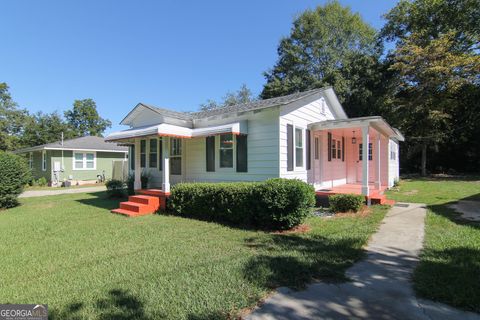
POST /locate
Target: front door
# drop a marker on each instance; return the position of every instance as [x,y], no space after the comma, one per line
[317,158]
[176,160]
[371,167]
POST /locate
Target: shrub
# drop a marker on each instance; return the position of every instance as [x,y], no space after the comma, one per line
[42,182]
[273,204]
[144,179]
[15,174]
[346,202]
[131,184]
[115,188]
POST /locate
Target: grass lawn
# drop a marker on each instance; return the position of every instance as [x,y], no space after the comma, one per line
[70,252]
[449,269]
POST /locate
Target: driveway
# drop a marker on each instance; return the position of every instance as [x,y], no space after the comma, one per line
[380,286]
[55,191]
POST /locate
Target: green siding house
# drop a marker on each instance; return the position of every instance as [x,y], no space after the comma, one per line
[76,161]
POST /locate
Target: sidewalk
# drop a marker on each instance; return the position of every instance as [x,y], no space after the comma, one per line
[380,286]
[55,191]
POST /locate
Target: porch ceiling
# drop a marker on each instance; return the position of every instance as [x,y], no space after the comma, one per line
[377,123]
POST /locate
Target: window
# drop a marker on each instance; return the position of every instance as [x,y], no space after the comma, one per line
[360,151]
[316,148]
[30,160]
[143,155]
[298,147]
[334,149]
[176,156]
[153,154]
[84,161]
[226,151]
[339,150]
[44,160]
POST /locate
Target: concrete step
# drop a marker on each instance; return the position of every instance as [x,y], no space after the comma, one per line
[128,213]
[136,207]
[151,201]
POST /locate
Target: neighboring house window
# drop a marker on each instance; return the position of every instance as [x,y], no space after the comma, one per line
[334,149]
[84,161]
[153,154]
[317,147]
[30,160]
[44,160]
[360,151]
[298,147]
[176,156]
[143,154]
[226,151]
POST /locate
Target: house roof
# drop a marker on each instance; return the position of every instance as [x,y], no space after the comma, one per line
[83,143]
[243,107]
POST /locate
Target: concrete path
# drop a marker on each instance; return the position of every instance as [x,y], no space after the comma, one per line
[55,191]
[380,286]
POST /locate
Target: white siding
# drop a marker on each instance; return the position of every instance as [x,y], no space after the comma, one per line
[393,164]
[300,117]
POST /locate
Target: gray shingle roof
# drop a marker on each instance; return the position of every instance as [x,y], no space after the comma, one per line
[88,142]
[250,106]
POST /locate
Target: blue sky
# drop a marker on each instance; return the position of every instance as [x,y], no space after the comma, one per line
[173,54]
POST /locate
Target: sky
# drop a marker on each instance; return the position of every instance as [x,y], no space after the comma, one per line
[172,54]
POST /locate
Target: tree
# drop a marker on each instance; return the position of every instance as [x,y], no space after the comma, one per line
[437,63]
[328,46]
[44,128]
[11,120]
[84,119]
[242,95]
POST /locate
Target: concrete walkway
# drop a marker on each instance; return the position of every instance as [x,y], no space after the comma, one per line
[380,286]
[55,191]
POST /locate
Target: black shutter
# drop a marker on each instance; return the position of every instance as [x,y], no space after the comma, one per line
[343,148]
[309,149]
[210,147]
[132,157]
[289,147]
[160,154]
[329,146]
[242,157]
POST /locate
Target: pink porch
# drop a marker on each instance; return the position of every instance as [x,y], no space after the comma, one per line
[375,196]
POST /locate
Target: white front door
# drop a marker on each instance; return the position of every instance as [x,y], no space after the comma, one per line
[359,162]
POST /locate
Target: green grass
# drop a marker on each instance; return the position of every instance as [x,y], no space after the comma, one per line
[449,269]
[86,263]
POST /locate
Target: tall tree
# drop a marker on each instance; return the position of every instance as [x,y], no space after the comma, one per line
[330,45]
[437,63]
[84,119]
[242,95]
[43,128]
[12,119]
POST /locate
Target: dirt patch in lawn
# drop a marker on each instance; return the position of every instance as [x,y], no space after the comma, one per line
[363,212]
[303,228]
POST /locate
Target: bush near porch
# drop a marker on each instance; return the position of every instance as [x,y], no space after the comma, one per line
[275,204]
[346,202]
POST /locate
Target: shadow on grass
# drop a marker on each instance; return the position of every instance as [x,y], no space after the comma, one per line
[450,276]
[101,200]
[118,304]
[293,261]
[445,211]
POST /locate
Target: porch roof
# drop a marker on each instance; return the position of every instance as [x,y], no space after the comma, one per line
[169,130]
[378,123]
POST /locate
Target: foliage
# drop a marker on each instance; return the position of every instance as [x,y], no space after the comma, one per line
[85,120]
[229,269]
[41,128]
[15,175]
[243,95]
[346,202]
[131,184]
[11,120]
[42,182]
[329,46]
[144,178]
[273,204]
[115,188]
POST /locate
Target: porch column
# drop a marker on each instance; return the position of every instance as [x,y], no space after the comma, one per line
[166,164]
[137,185]
[365,143]
[378,183]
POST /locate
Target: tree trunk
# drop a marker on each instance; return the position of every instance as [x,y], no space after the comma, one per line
[424,159]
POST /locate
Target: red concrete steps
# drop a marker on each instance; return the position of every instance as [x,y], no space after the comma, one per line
[138,205]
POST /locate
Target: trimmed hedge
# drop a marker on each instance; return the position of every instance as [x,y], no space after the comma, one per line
[346,202]
[116,188]
[15,174]
[274,204]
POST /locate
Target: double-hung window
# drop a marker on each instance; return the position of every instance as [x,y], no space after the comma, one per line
[153,154]
[298,147]
[360,151]
[334,149]
[226,151]
[84,161]
[176,156]
[44,160]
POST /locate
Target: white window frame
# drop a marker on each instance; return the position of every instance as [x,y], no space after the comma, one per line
[176,155]
[234,143]
[44,160]
[30,160]
[84,160]
[302,134]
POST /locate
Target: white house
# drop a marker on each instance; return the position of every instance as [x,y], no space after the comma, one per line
[305,135]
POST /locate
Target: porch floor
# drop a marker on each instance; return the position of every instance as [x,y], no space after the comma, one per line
[376,195]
